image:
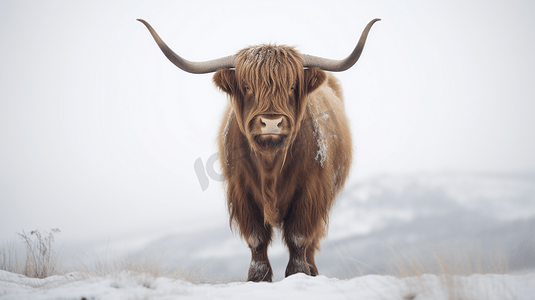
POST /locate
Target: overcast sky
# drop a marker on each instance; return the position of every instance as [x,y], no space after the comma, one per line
[99,132]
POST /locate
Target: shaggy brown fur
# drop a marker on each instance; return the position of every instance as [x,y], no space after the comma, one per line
[289,180]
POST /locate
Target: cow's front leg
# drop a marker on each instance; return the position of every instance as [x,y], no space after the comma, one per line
[310,251]
[247,216]
[297,245]
[258,241]
[258,237]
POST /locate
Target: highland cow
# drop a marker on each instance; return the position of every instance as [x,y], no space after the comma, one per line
[284,144]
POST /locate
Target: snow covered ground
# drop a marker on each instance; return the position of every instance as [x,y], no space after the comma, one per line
[143,286]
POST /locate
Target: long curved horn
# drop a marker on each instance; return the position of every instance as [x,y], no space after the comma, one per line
[343,64]
[186,65]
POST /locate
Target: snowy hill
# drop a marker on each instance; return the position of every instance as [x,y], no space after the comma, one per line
[379,219]
[299,286]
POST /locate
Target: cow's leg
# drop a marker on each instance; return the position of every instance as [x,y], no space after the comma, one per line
[297,244]
[303,228]
[258,241]
[310,251]
[258,237]
[248,218]
[260,268]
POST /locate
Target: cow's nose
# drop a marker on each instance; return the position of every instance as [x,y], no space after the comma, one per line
[271,126]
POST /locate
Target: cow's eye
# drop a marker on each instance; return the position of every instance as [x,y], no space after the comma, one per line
[247,88]
[292,88]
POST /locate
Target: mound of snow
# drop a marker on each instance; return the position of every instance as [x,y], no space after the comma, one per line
[127,285]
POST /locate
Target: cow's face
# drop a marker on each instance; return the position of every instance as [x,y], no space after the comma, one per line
[268,90]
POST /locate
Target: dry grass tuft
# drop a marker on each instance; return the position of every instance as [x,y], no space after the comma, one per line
[104,267]
[462,262]
[9,259]
[41,260]
[450,268]
[149,265]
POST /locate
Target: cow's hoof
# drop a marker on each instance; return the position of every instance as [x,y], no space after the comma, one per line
[313,270]
[297,266]
[259,271]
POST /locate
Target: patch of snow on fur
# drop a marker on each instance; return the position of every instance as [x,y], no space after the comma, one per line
[225,134]
[319,134]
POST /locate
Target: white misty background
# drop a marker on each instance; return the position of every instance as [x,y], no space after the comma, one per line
[99,132]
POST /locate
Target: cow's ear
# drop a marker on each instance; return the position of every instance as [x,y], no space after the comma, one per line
[314,77]
[225,80]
